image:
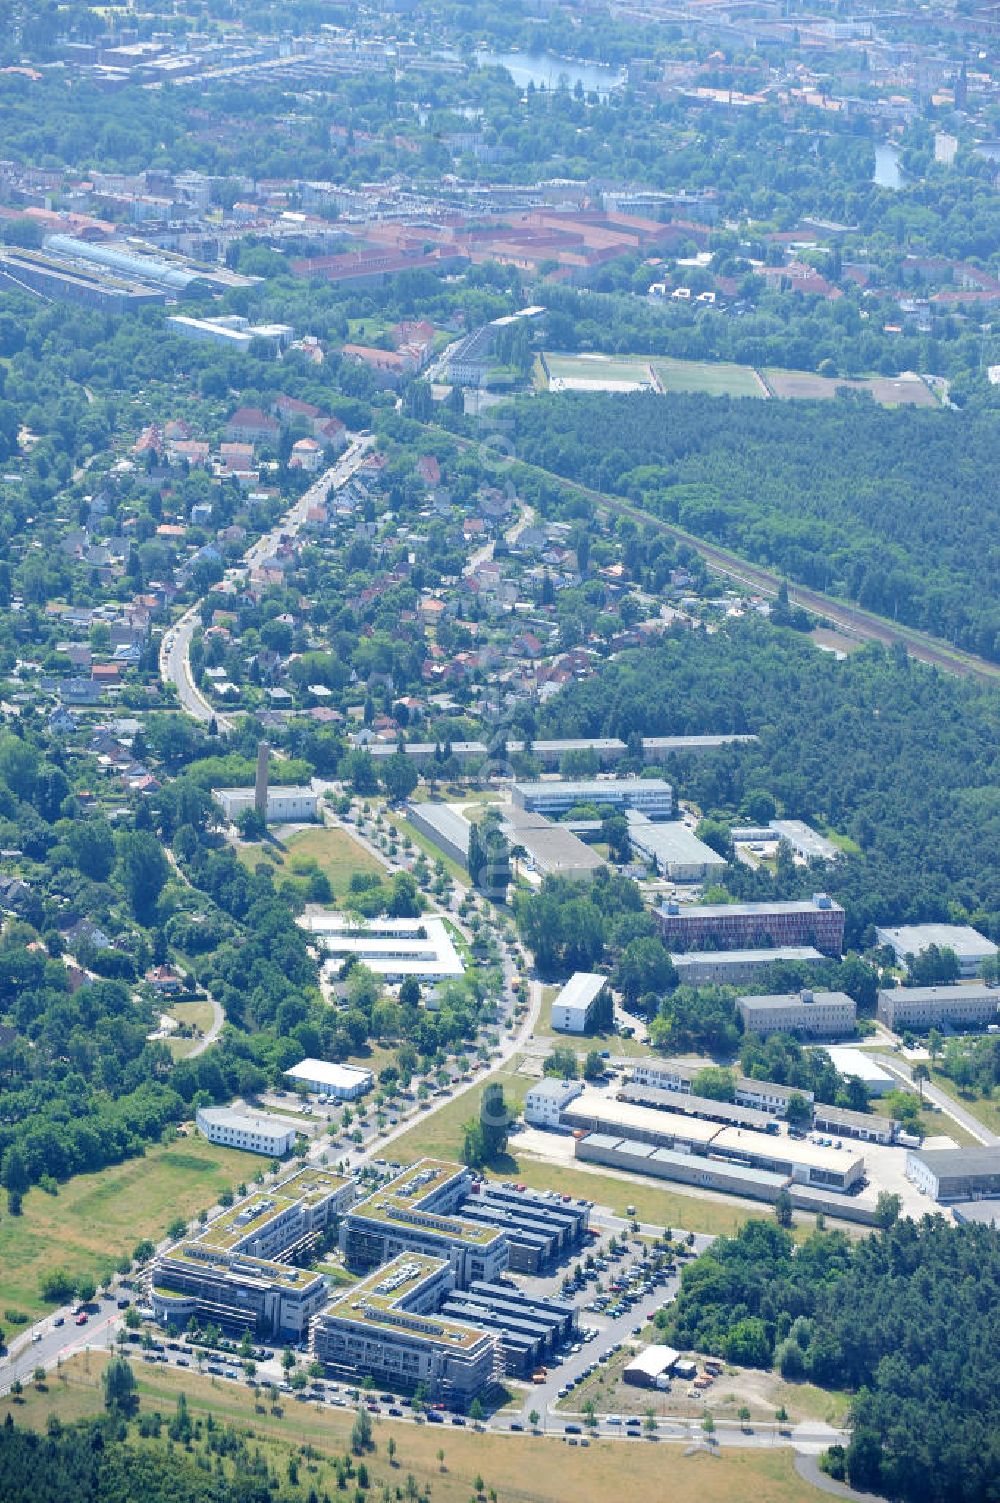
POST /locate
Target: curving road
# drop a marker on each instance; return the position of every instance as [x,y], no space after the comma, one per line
[175,649]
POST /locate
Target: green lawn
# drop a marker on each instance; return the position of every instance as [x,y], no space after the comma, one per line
[985,1109]
[444,1463]
[718,378]
[333,851]
[97,1218]
[198,1015]
[599,371]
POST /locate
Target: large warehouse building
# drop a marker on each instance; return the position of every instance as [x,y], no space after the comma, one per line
[673,849]
[729,926]
[796,1160]
[969,946]
[947,1174]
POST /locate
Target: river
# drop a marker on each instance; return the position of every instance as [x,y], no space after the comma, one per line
[545,69]
[888,173]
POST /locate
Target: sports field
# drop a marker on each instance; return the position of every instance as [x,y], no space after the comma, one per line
[598,373]
[717,378]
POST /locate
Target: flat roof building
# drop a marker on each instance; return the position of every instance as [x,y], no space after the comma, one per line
[256,1134]
[446,827]
[804,840]
[547,1098]
[324,1077]
[528,1329]
[551,850]
[672,1075]
[651,796]
[285,805]
[583,1004]
[969,946]
[420,1211]
[738,967]
[730,926]
[797,1160]
[947,1174]
[819,1014]
[858,1065]
[238,1275]
[706,1107]
[673,849]
[922,1007]
[394,948]
[847,1124]
[648,1365]
[387,1327]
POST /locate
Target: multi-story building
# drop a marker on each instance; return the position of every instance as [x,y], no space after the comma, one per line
[583,1004]
[760,1095]
[817,921]
[256,1134]
[650,796]
[234,1275]
[420,1212]
[922,1007]
[738,967]
[388,1327]
[545,1101]
[820,1014]
[674,850]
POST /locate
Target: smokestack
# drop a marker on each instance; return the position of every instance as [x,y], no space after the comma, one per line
[260,788]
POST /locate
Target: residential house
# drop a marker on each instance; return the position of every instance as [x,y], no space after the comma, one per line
[249,425]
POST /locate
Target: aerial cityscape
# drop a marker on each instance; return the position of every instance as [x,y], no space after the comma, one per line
[499,751]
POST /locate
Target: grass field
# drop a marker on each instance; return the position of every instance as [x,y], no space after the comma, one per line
[888,391]
[518,1468]
[197,1015]
[97,1218]
[439,1135]
[333,851]
[985,1110]
[717,378]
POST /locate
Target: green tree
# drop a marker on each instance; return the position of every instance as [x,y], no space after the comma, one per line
[593,1066]
[561,1062]
[783,1208]
[119,1387]
[144,871]
[361,1432]
[887,1209]
[400,777]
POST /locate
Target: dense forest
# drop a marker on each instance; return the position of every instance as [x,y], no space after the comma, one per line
[894,509]
[905,1319]
[902,760]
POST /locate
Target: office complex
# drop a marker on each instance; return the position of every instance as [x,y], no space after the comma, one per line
[938,1006]
[545,1100]
[256,1134]
[819,1014]
[651,796]
[236,1274]
[388,1327]
[816,921]
[527,1330]
[420,1212]
[583,1004]
[970,947]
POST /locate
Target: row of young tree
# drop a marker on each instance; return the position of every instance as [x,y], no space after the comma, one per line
[905,1320]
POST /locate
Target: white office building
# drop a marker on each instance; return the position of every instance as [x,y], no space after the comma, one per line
[256,1134]
[394,948]
[322,1077]
[556,796]
[583,1003]
[674,850]
[547,1099]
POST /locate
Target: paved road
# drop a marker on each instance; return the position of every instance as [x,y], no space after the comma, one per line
[175,649]
[949,1106]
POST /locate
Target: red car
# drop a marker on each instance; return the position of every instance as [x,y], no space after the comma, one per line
[81,1320]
